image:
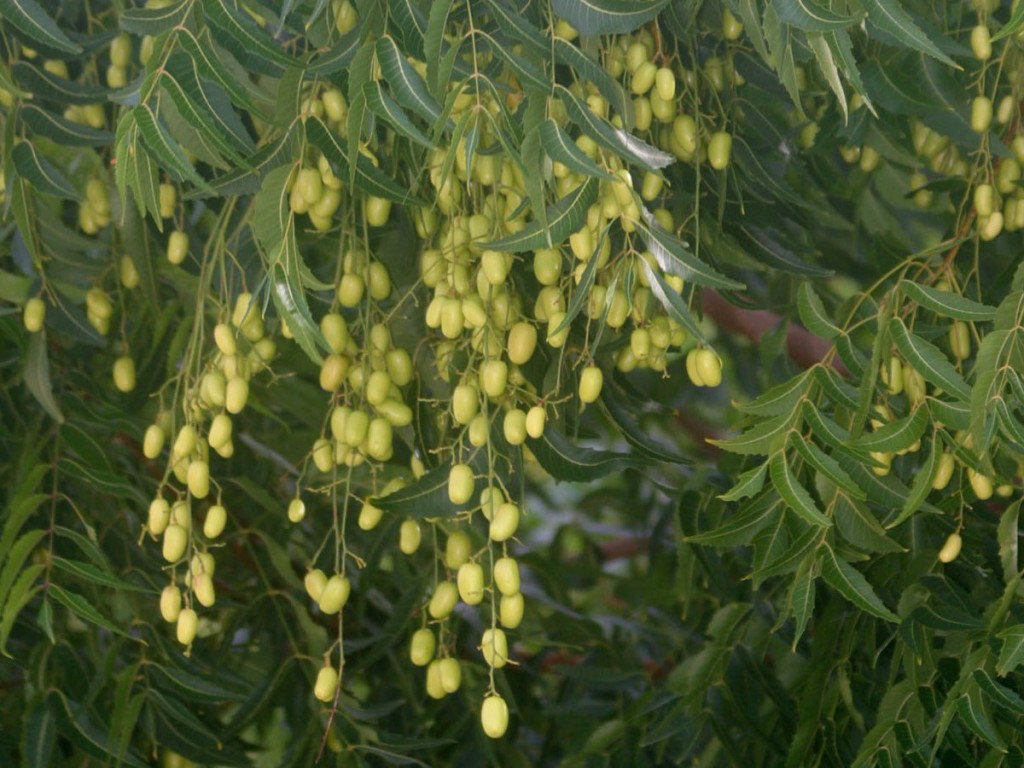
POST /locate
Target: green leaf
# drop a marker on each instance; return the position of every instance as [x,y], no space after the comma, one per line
[676,258]
[741,528]
[427,497]
[612,401]
[560,148]
[243,38]
[338,56]
[974,714]
[858,526]
[387,109]
[1004,697]
[37,376]
[1007,536]
[588,70]
[897,435]
[136,170]
[827,64]
[793,493]
[842,52]
[29,18]
[1011,26]
[761,439]
[801,596]
[748,483]
[780,399]
[813,314]
[516,25]
[40,174]
[164,149]
[604,17]
[1011,653]
[223,125]
[290,298]
[827,466]
[48,87]
[812,17]
[84,610]
[672,302]
[563,218]
[79,726]
[852,585]
[153,21]
[528,73]
[89,572]
[63,131]
[889,16]
[407,85]
[565,460]
[922,484]
[928,360]
[16,598]
[433,43]
[207,59]
[38,736]
[947,303]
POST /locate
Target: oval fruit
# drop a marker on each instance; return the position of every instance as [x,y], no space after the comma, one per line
[591,381]
[470,581]
[34,314]
[188,625]
[236,394]
[981,114]
[465,403]
[202,585]
[159,516]
[494,378]
[981,43]
[199,479]
[494,646]
[124,374]
[522,341]
[170,603]
[505,522]
[369,516]
[514,426]
[409,536]
[175,541]
[494,716]
[506,576]
[296,510]
[153,441]
[216,519]
[451,674]
[719,150]
[951,549]
[510,610]
[536,418]
[460,485]
[434,688]
[177,247]
[442,602]
[335,594]
[326,683]
[422,647]
[457,550]
[709,367]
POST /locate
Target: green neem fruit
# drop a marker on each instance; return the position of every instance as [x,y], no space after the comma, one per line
[709,366]
[514,426]
[422,647]
[188,625]
[435,689]
[409,536]
[457,549]
[494,716]
[326,683]
[506,576]
[124,374]
[951,549]
[369,516]
[175,542]
[34,314]
[451,674]
[177,247]
[522,341]
[236,394]
[335,331]
[378,209]
[719,150]
[199,479]
[470,581]
[314,582]
[335,594]
[591,381]
[510,610]
[547,266]
[536,418]
[460,484]
[505,522]
[380,439]
[399,366]
[159,516]
[465,403]
[153,441]
[442,603]
[494,646]
[478,431]
[216,519]
[202,586]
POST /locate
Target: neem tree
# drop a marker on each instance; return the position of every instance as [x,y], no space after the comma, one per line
[423,382]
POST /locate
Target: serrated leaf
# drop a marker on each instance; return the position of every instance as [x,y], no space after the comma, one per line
[1011,653]
[1004,697]
[897,435]
[388,110]
[63,131]
[780,399]
[213,102]
[433,44]
[813,314]
[80,727]
[563,218]
[675,258]
[338,56]
[672,302]
[153,21]
[889,16]
[290,298]
[827,65]
[740,529]
[827,466]
[163,148]
[1012,25]
[842,52]
[953,415]
[38,737]
[89,572]
[841,393]
[1007,536]
[37,376]
[588,70]
[974,714]
[748,483]
[859,527]
[922,484]
[516,25]
[528,73]
[29,18]
[85,611]
[810,16]
[427,497]
[603,17]
[46,86]
[761,439]
[852,585]
[243,38]
[928,360]
[38,171]
[15,599]
[560,148]
[947,303]
[793,493]
[801,596]
[612,400]
[564,460]
[407,85]
[209,63]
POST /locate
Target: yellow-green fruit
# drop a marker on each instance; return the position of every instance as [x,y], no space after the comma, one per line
[356,425]
[457,550]
[181,514]
[442,603]
[478,431]
[506,576]
[434,688]
[379,281]
[451,674]
[314,582]
[170,603]
[732,27]
[168,197]
[34,314]
[422,647]
[202,586]
[335,331]
[984,199]
[981,114]
[960,340]
[494,646]
[216,519]
[399,366]
[378,209]
[510,610]
[547,266]
[350,290]
[709,367]
[188,625]
[665,83]
[220,430]
[719,150]
[951,549]
[643,78]
[536,418]
[335,594]
[409,536]
[494,266]
[333,371]
[465,403]
[522,341]
[981,484]
[504,522]
[491,498]
[514,426]
[296,510]
[153,441]
[494,716]
[124,374]
[159,516]
[591,381]
[199,479]
[177,247]
[981,43]
[379,439]
[944,472]
[326,683]
[323,454]
[494,378]
[175,541]
[470,580]
[309,185]
[369,516]
[236,394]
[460,484]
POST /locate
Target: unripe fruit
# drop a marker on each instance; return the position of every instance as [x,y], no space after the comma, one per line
[959,340]
[951,549]
[547,266]
[465,403]
[450,673]
[984,199]
[981,114]
[494,646]
[494,378]
[175,541]
[422,647]
[479,431]
[188,625]
[643,78]
[170,603]
[536,418]
[944,472]
[379,281]
[177,247]
[591,381]
[378,209]
[452,319]
[199,479]
[457,550]
[506,576]
[990,227]
[236,394]
[719,150]
[510,610]
[220,430]
[494,266]
[335,331]
[314,582]
[522,341]
[168,197]
[684,131]
[396,412]
[333,371]
[399,366]
[379,439]
[470,581]
[326,683]
[309,185]
[442,603]
[350,290]
[335,594]
[409,536]
[981,43]
[369,516]
[34,314]
[514,426]
[981,484]
[555,337]
[153,441]
[732,27]
[494,716]
[202,586]
[665,83]
[297,510]
[377,387]
[159,516]
[709,367]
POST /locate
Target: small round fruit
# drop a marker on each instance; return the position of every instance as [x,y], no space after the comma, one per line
[510,610]
[494,646]
[314,582]
[442,603]
[236,394]
[369,516]
[175,542]
[944,473]
[720,150]
[124,374]
[153,441]
[494,716]
[350,290]
[591,381]
[536,418]
[709,367]
[506,576]
[159,516]
[514,426]
[34,314]
[199,479]
[202,586]
[457,549]
[177,247]
[522,341]
[732,27]
[188,625]
[951,549]
[335,594]
[494,378]
[981,43]
[378,209]
[296,510]
[470,581]
[981,114]
[170,603]
[422,647]
[216,519]
[504,522]
[460,484]
[451,674]
[326,683]
[409,536]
